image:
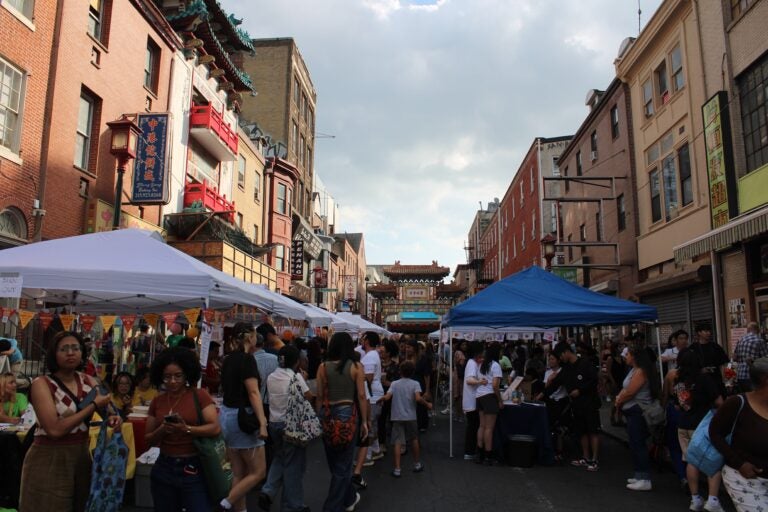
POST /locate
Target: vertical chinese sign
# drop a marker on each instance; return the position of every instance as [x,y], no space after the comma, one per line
[151,172]
[717,139]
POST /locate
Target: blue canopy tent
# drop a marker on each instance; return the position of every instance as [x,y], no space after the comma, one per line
[535,297]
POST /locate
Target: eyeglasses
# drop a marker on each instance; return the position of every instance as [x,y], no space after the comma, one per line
[65,349]
[178,377]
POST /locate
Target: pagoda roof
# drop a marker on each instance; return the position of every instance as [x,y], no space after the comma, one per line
[450,289]
[399,271]
[381,289]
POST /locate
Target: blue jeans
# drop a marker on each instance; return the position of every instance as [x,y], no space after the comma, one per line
[638,432]
[287,469]
[179,484]
[673,442]
[341,493]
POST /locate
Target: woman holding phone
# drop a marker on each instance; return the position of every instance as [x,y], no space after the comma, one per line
[177,480]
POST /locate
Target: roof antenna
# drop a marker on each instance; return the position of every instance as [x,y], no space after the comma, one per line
[639,14]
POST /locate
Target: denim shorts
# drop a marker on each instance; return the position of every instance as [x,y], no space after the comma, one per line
[233,436]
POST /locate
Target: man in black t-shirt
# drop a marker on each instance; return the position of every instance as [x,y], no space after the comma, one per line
[712,357]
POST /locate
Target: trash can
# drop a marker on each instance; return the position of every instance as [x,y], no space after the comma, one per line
[143,489]
[520,451]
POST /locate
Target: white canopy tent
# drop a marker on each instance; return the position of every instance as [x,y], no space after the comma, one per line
[491,334]
[363,324]
[319,317]
[130,271]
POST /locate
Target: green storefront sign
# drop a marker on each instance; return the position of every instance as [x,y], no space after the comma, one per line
[567,273]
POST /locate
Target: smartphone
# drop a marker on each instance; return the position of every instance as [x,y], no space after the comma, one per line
[172,418]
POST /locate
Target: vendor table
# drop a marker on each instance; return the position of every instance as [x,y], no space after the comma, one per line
[525,419]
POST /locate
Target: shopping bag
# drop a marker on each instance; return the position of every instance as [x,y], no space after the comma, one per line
[213,459]
[301,422]
[108,472]
[701,453]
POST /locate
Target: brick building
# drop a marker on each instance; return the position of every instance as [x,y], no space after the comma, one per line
[25,52]
[478,248]
[599,208]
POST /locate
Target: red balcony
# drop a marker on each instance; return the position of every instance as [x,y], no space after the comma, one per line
[210,199]
[207,126]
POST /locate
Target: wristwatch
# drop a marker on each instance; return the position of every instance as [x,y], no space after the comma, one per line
[189,430]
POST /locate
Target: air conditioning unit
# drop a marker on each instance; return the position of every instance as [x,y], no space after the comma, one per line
[593,155]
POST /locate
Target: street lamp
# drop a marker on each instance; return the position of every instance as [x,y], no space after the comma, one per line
[125,132]
[548,244]
[367,313]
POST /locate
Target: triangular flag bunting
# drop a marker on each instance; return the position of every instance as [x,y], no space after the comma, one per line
[169,318]
[151,319]
[87,322]
[66,320]
[107,321]
[25,317]
[192,314]
[45,319]
[128,321]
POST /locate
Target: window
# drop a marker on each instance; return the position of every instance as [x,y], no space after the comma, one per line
[533,226]
[655,195]
[256,186]
[567,182]
[662,88]
[241,172]
[753,86]
[84,128]
[686,182]
[311,120]
[669,175]
[739,6]
[555,167]
[621,212]
[598,227]
[240,220]
[302,150]
[304,105]
[522,237]
[531,179]
[11,87]
[308,164]
[676,60]
[583,232]
[615,121]
[296,90]
[96,17]
[280,258]
[648,98]
[522,197]
[514,246]
[256,234]
[151,66]
[578,163]
[593,141]
[282,198]
[25,7]
[294,137]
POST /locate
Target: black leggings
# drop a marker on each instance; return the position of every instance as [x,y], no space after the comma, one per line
[470,435]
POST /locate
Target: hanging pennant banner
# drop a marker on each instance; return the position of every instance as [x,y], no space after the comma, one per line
[209,315]
[107,321]
[151,318]
[87,321]
[66,320]
[25,317]
[45,319]
[170,318]
[192,314]
[128,321]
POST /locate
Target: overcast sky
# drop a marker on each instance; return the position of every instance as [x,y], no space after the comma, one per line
[433,103]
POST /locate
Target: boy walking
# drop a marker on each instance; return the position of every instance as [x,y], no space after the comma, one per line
[405,393]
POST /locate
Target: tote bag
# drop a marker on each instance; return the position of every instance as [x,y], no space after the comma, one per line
[110,459]
[213,459]
[701,452]
[301,422]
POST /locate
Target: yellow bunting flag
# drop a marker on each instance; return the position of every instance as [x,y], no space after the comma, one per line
[151,319]
[25,317]
[107,321]
[192,314]
[66,320]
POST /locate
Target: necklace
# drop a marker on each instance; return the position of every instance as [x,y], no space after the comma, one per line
[168,396]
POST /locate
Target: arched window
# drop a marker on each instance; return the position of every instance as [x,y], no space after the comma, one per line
[13,224]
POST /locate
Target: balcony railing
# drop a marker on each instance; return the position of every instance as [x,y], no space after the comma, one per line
[205,116]
[209,198]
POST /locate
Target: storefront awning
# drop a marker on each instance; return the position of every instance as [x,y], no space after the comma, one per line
[737,230]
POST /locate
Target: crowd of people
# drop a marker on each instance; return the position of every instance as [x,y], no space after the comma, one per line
[376,395]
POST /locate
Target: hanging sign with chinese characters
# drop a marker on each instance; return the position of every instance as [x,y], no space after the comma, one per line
[150,172]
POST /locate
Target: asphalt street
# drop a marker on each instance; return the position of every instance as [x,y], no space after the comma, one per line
[454,484]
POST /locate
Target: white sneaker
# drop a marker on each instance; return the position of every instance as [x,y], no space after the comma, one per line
[640,485]
[631,480]
[713,506]
[697,505]
[351,508]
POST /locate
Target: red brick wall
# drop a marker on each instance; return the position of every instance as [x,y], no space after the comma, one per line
[29,51]
[118,83]
[281,228]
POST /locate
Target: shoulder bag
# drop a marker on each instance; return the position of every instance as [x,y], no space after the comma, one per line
[301,422]
[337,433]
[653,413]
[701,452]
[110,459]
[213,459]
[247,420]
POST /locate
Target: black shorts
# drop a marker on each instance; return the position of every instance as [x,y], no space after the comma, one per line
[586,420]
[489,404]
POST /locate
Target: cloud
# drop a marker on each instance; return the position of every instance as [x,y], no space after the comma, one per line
[434,103]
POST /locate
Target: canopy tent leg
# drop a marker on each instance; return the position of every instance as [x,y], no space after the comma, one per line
[450,390]
[658,347]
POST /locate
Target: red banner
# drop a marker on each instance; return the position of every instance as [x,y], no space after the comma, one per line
[87,322]
[170,318]
[45,319]
[128,321]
